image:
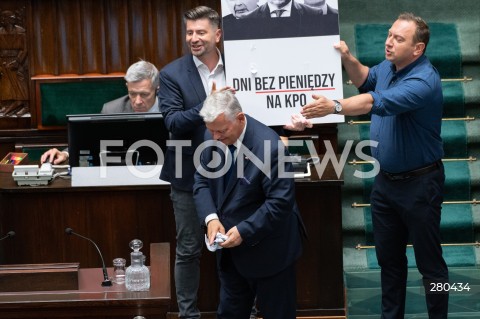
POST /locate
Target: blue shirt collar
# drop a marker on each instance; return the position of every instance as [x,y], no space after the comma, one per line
[407,69]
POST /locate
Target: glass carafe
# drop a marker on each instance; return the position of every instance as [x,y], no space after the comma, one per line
[137,276]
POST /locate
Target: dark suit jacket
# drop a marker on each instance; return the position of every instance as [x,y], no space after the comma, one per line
[262,208]
[120,105]
[304,21]
[229,18]
[181,97]
[331,10]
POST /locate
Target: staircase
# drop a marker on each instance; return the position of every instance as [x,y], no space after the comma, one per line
[455,50]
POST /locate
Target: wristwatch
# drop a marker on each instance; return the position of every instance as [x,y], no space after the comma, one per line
[337,108]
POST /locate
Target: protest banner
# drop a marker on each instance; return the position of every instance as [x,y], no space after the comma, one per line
[276,64]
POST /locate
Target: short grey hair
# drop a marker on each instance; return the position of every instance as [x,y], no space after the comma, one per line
[143,70]
[220,102]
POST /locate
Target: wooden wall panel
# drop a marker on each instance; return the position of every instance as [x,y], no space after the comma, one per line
[116,36]
[167,31]
[138,25]
[42,37]
[69,30]
[92,36]
[106,36]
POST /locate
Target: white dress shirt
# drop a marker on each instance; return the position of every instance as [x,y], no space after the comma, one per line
[217,74]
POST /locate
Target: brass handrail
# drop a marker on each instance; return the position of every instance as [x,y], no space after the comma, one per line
[357,205]
[355,162]
[468,159]
[352,122]
[471,202]
[466,119]
[476,244]
[464,79]
[460,202]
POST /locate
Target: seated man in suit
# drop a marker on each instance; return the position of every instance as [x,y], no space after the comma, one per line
[142,83]
[253,208]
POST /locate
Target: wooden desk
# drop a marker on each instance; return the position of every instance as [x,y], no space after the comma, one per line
[112,216]
[92,300]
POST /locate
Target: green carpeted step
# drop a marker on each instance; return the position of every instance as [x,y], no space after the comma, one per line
[454,136]
[457,180]
[364,295]
[472,89]
[456,225]
[453,99]
[455,256]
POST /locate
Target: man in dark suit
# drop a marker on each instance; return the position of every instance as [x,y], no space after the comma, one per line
[254,207]
[297,20]
[142,85]
[184,85]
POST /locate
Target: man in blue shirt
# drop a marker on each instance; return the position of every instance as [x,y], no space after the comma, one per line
[404,96]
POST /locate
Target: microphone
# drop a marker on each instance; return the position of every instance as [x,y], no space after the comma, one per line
[106,282]
[9,234]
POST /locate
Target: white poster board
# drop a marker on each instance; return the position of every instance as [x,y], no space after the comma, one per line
[276,64]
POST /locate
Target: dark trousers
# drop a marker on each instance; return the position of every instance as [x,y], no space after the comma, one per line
[409,210]
[276,295]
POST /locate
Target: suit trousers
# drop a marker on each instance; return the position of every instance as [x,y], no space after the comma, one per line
[276,294]
[188,252]
[409,210]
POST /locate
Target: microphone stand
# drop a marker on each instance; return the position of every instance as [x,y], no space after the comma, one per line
[9,234]
[106,281]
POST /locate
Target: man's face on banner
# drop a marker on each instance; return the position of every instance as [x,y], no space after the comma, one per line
[315,3]
[279,3]
[241,7]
